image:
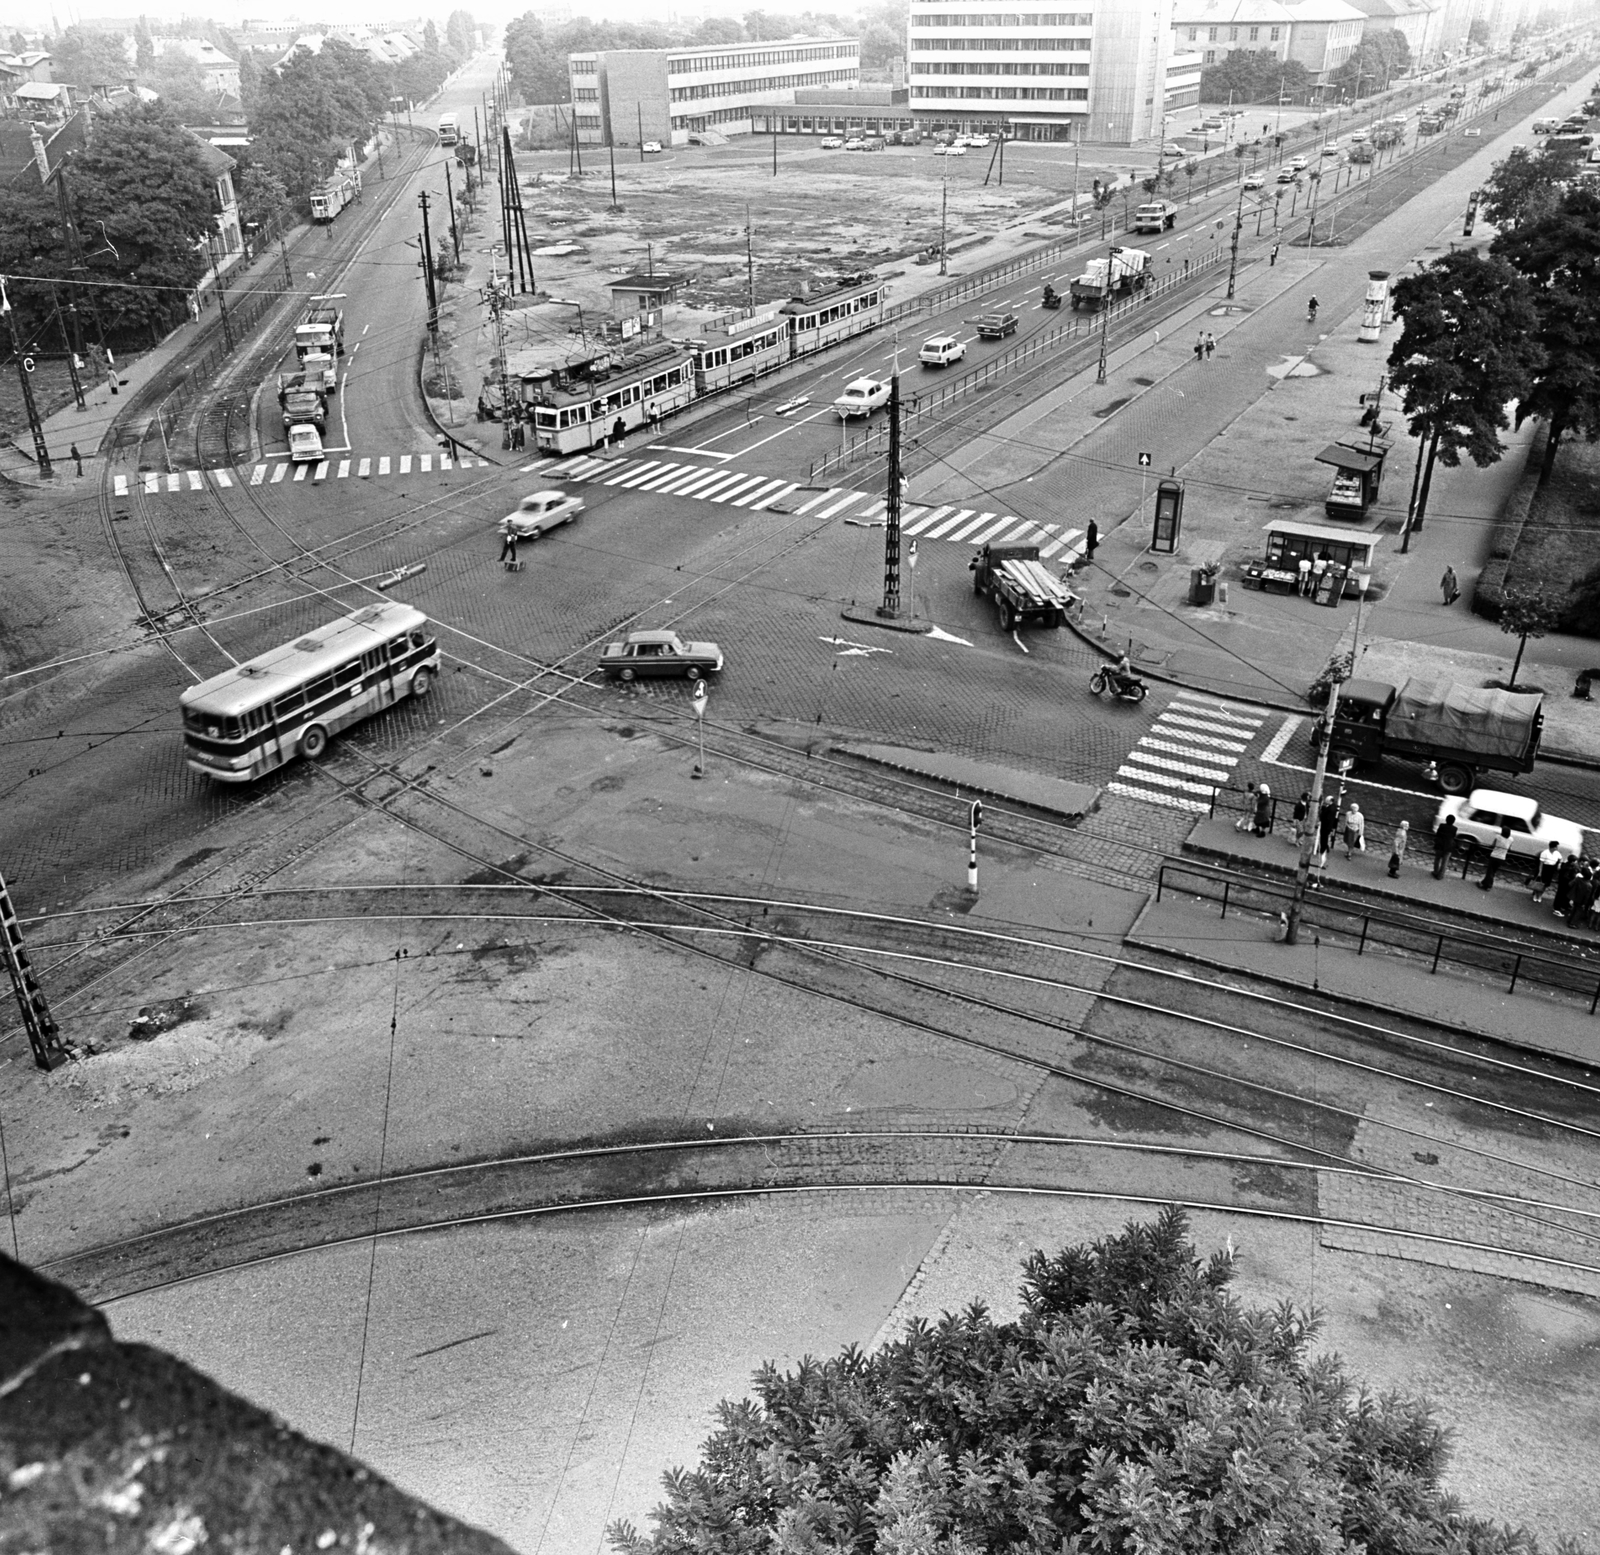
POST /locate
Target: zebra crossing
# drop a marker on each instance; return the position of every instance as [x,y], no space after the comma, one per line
[276,472]
[966,526]
[1191,749]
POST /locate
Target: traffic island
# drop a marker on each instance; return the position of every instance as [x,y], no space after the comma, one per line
[1051,796]
[873,615]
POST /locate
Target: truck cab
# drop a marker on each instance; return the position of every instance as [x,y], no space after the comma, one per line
[1156,216]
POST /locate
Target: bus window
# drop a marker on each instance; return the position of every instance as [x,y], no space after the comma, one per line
[290,703]
[347,673]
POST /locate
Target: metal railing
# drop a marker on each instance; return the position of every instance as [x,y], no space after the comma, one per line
[1390,930]
[1080,327]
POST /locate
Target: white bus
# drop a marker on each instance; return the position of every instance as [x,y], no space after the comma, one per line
[449,129]
[286,703]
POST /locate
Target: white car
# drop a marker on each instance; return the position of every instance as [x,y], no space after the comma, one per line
[651,147]
[305,444]
[862,397]
[1299,164]
[539,511]
[949,151]
[855,143]
[942,350]
[833,143]
[1172,149]
[1480,815]
[1255,181]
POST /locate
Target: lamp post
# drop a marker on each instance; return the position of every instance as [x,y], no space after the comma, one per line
[1233,258]
[1105,312]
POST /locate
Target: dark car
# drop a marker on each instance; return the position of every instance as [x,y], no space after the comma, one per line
[658,653]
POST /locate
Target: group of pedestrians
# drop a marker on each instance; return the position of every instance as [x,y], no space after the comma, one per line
[1204,345]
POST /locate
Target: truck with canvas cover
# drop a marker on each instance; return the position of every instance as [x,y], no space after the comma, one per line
[1104,280]
[1461,730]
[1025,592]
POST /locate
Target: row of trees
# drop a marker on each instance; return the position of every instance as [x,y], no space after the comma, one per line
[1134,1406]
[1260,76]
[537,54]
[143,206]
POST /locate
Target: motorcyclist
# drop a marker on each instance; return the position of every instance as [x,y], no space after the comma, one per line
[1122,675]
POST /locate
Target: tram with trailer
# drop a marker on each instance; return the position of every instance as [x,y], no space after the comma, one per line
[587,405]
[288,702]
[739,350]
[823,318]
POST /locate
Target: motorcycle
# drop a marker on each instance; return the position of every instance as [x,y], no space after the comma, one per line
[1126,688]
[1052,298]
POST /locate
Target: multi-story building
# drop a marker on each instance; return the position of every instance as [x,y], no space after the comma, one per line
[623,96]
[219,73]
[1320,34]
[1417,21]
[1041,75]
[843,110]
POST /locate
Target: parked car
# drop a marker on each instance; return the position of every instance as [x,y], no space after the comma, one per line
[1480,815]
[539,511]
[855,143]
[1357,136]
[658,653]
[1173,149]
[861,397]
[949,151]
[941,350]
[651,147]
[833,143]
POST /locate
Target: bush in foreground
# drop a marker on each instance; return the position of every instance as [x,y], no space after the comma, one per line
[1134,1407]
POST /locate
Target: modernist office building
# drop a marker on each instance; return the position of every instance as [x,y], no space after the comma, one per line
[623,96]
[1098,75]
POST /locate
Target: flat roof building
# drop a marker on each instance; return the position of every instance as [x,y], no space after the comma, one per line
[623,96]
[1320,34]
[870,109]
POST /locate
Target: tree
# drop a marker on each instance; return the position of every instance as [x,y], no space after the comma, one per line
[177,79]
[264,203]
[1478,32]
[1190,168]
[144,46]
[461,33]
[718,29]
[881,46]
[1135,1408]
[1254,76]
[1559,254]
[1526,613]
[87,58]
[1527,186]
[1372,64]
[1465,352]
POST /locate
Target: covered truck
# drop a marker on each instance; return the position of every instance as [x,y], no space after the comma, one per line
[303,399]
[1461,730]
[319,342]
[1125,271]
[1025,592]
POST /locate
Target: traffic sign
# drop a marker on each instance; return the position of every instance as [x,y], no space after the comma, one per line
[27,363]
[1144,461]
[700,697]
[911,555]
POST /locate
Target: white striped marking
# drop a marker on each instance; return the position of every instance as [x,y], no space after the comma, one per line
[1177,722]
[984,536]
[300,471]
[1213,709]
[784,488]
[1142,756]
[748,484]
[969,530]
[850,499]
[258,475]
[222,478]
[633,474]
[279,473]
[383,464]
[195,483]
[119,485]
[405,464]
[1276,744]
[1178,730]
[1172,801]
[660,477]
[444,463]
[426,461]
[344,469]
[364,469]
[172,483]
[761,489]
[1164,782]
[152,481]
[322,471]
[697,481]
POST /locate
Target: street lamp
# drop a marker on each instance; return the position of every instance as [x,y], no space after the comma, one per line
[1105,311]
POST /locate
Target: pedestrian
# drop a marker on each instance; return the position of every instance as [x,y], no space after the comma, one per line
[619,430]
[1261,826]
[1498,851]
[1091,539]
[76,457]
[1318,567]
[1544,870]
[483,409]
[1444,839]
[1200,347]
[1272,258]
[1580,900]
[1244,822]
[519,435]
[1303,566]
[1566,873]
[1327,822]
[1211,344]
[1449,587]
[1397,848]
[1355,830]
[1301,812]
[508,546]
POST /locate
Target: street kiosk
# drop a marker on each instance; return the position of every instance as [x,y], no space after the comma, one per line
[1345,551]
[1357,474]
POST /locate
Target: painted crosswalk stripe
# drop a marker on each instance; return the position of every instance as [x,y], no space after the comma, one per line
[633,474]
[680,477]
[119,485]
[926,519]
[1175,729]
[322,471]
[1276,744]
[278,474]
[970,528]
[579,469]
[222,478]
[834,509]
[699,481]
[344,469]
[661,478]
[1047,551]
[760,489]
[811,502]
[879,509]
[1165,782]
[424,460]
[784,488]
[1173,801]
[983,535]
[364,469]
[405,464]
[1141,757]
[258,475]
[953,519]
[1183,748]
[300,471]
[152,481]
[726,480]
[444,463]
[1218,732]
[747,483]
[383,464]
[195,483]
[1206,707]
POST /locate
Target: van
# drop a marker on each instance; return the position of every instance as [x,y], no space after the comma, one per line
[1546,126]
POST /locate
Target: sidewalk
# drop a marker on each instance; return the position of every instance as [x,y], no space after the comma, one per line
[108,399]
[1384,983]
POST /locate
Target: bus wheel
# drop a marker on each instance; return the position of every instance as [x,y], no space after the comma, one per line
[422,682]
[314,742]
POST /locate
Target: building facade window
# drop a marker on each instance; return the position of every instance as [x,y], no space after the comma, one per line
[1273,35]
[1211,56]
[1255,32]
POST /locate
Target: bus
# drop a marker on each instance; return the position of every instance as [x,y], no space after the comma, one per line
[449,129]
[288,702]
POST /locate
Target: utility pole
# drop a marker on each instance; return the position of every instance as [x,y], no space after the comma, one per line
[496,294]
[70,342]
[43,1035]
[774,153]
[450,198]
[1105,312]
[1308,841]
[749,263]
[612,152]
[1233,262]
[222,296]
[25,373]
[639,110]
[427,266]
[890,609]
[944,211]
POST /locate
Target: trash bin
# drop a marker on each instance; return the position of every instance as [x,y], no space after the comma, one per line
[1202,586]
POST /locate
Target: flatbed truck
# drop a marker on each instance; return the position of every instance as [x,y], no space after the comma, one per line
[1025,592]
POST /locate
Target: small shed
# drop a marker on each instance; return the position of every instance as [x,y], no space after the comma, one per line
[644,293]
[1347,549]
[1358,472]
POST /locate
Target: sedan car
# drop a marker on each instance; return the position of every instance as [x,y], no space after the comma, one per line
[1288,176]
[1255,181]
[949,151]
[658,653]
[539,511]
[861,397]
[1299,164]
[1332,151]
[1173,149]
[1481,814]
[833,143]
[855,143]
[651,147]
